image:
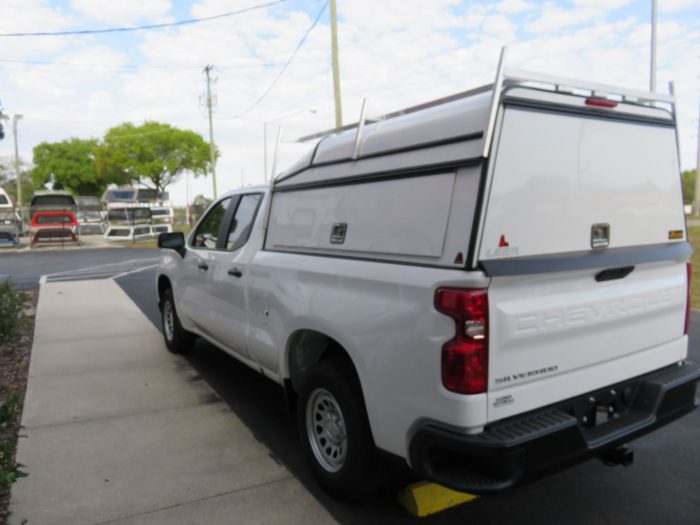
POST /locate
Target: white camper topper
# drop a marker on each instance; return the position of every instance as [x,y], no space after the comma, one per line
[578,182]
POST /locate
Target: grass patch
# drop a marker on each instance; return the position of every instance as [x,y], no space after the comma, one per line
[694,238]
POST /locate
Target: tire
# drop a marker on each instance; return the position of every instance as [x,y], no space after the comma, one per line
[339,445]
[177,339]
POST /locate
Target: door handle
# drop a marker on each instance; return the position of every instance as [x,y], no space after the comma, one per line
[612,274]
[203,266]
[235,272]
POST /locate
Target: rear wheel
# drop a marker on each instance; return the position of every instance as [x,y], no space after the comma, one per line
[177,339]
[335,431]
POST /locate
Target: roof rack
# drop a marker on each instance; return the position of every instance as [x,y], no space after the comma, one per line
[399,113]
[509,76]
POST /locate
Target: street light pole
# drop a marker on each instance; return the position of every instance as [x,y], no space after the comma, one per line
[212,147]
[652,65]
[15,119]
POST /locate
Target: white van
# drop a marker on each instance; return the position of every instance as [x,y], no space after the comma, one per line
[492,286]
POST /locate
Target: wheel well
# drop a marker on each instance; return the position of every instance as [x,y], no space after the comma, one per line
[163,284]
[308,347]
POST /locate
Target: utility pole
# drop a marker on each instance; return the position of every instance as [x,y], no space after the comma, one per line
[652,65]
[696,203]
[336,70]
[15,119]
[212,147]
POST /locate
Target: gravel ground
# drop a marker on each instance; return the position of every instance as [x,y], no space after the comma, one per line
[14,367]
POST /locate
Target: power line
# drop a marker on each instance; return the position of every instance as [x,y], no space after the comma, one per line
[132,68]
[284,67]
[189,21]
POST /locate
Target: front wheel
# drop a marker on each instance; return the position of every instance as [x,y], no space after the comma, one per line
[335,431]
[177,339]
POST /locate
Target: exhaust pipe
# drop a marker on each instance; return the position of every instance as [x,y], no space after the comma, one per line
[618,456]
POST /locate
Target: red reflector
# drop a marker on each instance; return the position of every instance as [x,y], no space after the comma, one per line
[689,269]
[465,356]
[600,102]
[464,366]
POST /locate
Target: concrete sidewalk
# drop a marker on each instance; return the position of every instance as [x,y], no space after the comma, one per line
[120,431]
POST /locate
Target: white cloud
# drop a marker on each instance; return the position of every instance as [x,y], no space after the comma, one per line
[603,4]
[118,12]
[554,18]
[512,7]
[678,5]
[19,16]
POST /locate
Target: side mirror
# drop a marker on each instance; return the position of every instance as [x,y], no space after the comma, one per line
[172,241]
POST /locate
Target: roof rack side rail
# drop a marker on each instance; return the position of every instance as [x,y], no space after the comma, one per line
[399,113]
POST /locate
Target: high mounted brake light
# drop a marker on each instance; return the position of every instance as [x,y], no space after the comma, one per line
[600,102]
[465,357]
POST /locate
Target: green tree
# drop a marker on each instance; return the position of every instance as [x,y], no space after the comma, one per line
[688,186]
[153,153]
[70,165]
[28,189]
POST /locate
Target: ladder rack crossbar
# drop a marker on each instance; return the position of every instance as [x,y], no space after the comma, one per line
[520,75]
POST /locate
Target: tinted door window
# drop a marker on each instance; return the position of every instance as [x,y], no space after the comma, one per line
[207,233]
[243,221]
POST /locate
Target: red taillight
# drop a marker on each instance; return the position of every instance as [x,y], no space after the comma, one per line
[465,357]
[689,269]
[600,102]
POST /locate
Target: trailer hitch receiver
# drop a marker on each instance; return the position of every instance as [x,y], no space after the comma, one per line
[618,456]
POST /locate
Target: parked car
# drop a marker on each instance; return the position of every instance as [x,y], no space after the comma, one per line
[491,287]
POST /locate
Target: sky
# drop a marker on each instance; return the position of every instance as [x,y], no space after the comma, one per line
[396,53]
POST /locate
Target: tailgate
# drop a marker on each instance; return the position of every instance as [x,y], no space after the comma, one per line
[583,234]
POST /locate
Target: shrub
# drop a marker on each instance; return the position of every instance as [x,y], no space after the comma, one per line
[12,320]
[9,470]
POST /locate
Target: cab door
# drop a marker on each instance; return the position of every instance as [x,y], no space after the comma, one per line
[198,265]
[228,292]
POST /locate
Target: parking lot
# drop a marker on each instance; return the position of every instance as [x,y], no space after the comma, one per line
[661,487]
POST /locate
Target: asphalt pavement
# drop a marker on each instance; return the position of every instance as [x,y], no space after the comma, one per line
[25,269]
[660,487]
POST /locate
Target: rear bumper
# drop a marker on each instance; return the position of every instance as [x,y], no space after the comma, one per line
[546,440]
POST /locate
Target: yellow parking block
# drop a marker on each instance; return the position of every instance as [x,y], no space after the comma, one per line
[425,498]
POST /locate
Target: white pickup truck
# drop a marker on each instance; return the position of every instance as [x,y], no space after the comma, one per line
[492,286]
